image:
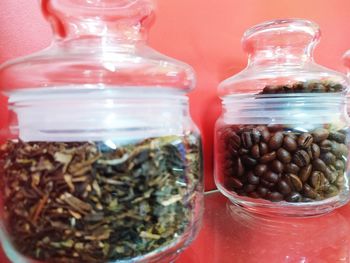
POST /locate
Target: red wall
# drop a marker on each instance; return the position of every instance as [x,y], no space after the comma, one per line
[203,33]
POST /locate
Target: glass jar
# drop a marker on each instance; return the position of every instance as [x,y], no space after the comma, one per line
[281,141]
[101,161]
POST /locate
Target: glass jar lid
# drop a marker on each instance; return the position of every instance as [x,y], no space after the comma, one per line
[280,61]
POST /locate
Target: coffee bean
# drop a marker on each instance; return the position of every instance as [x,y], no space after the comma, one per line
[276,141]
[255,151]
[275,127]
[234,141]
[256,135]
[319,165]
[291,168]
[315,151]
[301,158]
[277,166]
[249,188]
[248,161]
[305,173]
[289,144]
[283,187]
[239,168]
[283,155]
[309,192]
[262,191]
[326,146]
[237,184]
[332,191]
[260,169]
[328,158]
[316,180]
[263,148]
[266,158]
[295,181]
[305,140]
[274,196]
[252,178]
[270,177]
[243,151]
[265,134]
[320,134]
[331,175]
[339,165]
[246,138]
[253,195]
[337,136]
[294,197]
[266,183]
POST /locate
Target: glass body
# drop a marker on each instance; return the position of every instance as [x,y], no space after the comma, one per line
[282,140]
[100,161]
[346,60]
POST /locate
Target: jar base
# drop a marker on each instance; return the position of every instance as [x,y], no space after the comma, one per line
[285,209]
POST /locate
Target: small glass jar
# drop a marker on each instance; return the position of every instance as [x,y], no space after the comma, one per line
[282,139]
[100,161]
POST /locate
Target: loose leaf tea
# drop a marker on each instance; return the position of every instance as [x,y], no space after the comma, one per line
[305,87]
[86,202]
[277,163]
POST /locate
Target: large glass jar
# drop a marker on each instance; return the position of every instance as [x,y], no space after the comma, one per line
[101,161]
[282,140]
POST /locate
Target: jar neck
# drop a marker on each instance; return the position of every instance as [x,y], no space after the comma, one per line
[98,115]
[285,109]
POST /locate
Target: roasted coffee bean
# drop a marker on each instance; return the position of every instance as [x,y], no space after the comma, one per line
[290,144]
[239,168]
[309,192]
[337,136]
[249,188]
[266,183]
[294,197]
[319,165]
[248,161]
[339,165]
[326,146]
[291,168]
[236,183]
[269,157]
[277,166]
[262,191]
[260,169]
[332,191]
[305,140]
[283,155]
[320,134]
[243,151]
[255,151]
[234,141]
[316,180]
[270,177]
[295,182]
[283,187]
[315,151]
[256,135]
[263,148]
[331,175]
[252,178]
[328,158]
[246,139]
[305,173]
[276,141]
[274,196]
[253,195]
[275,127]
[301,158]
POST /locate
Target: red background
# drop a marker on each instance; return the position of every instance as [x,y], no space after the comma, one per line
[204,33]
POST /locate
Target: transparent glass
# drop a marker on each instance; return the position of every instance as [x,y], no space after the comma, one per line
[346,60]
[282,139]
[100,160]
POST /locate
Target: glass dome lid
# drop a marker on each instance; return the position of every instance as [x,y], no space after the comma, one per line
[280,60]
[98,44]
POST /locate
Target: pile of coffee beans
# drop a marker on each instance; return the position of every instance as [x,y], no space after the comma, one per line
[278,163]
[305,87]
